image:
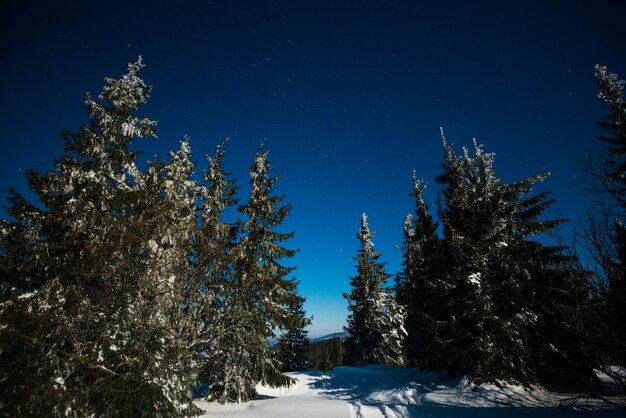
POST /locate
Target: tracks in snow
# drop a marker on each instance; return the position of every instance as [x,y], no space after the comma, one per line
[356,397]
[360,410]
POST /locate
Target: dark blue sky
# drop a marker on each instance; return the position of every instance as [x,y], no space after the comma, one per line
[349,96]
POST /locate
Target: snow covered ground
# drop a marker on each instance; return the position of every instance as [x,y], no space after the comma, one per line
[378,391]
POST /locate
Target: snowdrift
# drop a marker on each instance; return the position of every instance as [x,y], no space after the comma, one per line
[377,391]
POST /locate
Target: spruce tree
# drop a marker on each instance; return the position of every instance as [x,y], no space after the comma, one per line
[421,288]
[375,323]
[215,294]
[265,291]
[92,269]
[613,177]
[502,307]
[160,329]
[294,343]
[390,320]
[469,219]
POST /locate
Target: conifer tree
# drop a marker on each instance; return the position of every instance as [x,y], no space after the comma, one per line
[613,177]
[390,320]
[215,297]
[294,343]
[88,268]
[162,330]
[420,287]
[264,290]
[402,278]
[612,92]
[471,220]
[373,311]
[322,356]
[608,243]
[502,303]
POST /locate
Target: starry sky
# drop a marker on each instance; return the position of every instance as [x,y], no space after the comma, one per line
[349,97]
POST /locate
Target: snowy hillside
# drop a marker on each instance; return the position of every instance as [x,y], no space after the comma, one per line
[378,391]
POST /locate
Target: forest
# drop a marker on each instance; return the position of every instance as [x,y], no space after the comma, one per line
[124,286]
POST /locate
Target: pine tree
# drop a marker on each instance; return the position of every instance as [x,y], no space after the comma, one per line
[336,351]
[216,287]
[87,267]
[502,303]
[390,320]
[420,286]
[327,354]
[264,290]
[294,343]
[167,226]
[468,217]
[408,250]
[375,323]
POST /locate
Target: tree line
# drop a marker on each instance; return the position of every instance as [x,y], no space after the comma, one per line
[482,294]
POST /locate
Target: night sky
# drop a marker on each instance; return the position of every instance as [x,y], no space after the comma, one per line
[348,95]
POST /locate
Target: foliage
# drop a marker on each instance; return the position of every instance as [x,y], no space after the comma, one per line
[485,299]
[294,343]
[375,323]
[603,232]
[122,286]
[255,295]
[419,282]
[93,321]
[327,354]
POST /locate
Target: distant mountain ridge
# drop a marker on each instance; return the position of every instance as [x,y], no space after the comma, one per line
[343,335]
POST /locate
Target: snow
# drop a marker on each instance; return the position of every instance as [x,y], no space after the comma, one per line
[378,391]
[307,398]
[474,278]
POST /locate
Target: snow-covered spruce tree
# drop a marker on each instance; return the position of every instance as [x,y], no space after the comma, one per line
[540,286]
[560,349]
[408,254]
[484,326]
[612,179]
[390,319]
[264,290]
[611,90]
[87,330]
[376,321]
[502,304]
[167,329]
[225,336]
[468,220]
[293,344]
[421,285]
